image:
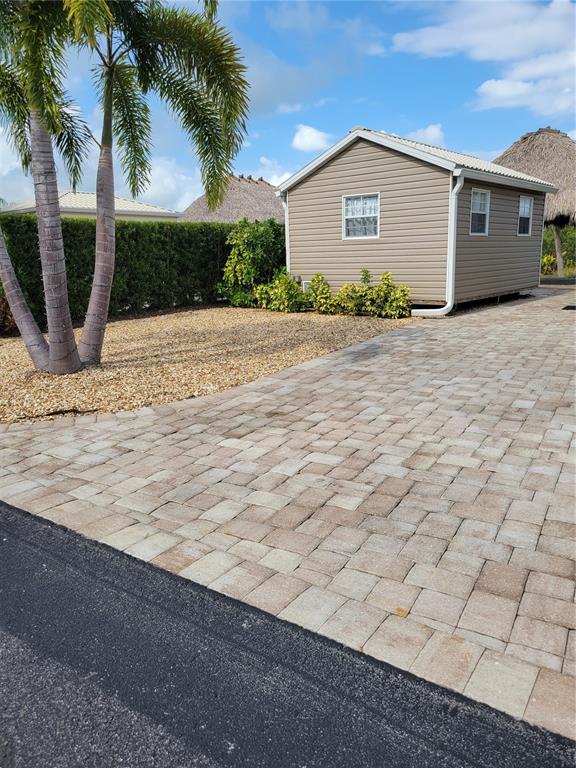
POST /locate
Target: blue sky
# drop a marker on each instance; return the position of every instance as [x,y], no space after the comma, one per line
[470,75]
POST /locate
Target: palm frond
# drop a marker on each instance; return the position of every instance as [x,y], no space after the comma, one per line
[210,8]
[88,17]
[39,42]
[73,141]
[191,44]
[14,115]
[202,123]
[132,127]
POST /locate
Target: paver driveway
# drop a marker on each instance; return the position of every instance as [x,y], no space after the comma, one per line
[411,496]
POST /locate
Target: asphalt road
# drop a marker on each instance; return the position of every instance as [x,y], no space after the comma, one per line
[106,661]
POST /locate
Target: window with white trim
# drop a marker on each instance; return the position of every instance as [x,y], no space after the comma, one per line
[479,212]
[525,207]
[360,216]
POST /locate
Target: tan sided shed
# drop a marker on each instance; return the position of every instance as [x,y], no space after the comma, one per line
[450,226]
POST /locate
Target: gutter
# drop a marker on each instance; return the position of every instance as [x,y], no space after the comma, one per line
[451,257]
[284,200]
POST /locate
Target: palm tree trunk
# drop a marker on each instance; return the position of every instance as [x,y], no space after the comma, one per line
[28,327]
[558,248]
[97,314]
[63,353]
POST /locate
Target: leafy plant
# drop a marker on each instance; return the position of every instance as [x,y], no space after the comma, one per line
[283,294]
[398,304]
[320,295]
[365,276]
[257,252]
[378,295]
[350,299]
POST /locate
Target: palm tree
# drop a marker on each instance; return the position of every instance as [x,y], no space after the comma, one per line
[187,60]
[143,48]
[34,109]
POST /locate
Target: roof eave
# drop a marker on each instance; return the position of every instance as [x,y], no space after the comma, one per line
[92,211]
[508,181]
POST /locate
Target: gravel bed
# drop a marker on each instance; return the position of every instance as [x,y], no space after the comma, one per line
[163,358]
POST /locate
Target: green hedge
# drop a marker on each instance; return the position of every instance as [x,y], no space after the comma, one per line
[159,265]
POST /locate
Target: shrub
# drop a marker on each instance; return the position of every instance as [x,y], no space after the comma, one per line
[320,296]
[378,295]
[159,265]
[383,299]
[283,294]
[350,299]
[398,304]
[256,253]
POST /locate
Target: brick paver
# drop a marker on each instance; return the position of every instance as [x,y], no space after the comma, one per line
[411,496]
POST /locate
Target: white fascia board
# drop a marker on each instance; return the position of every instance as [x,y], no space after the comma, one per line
[375,138]
[507,181]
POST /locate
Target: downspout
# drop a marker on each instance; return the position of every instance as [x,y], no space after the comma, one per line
[284,198]
[451,257]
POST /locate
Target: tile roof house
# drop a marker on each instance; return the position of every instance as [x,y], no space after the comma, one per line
[452,227]
[83,205]
[245,198]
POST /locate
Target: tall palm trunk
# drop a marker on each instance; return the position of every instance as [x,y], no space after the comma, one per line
[28,327]
[558,248]
[97,314]
[63,354]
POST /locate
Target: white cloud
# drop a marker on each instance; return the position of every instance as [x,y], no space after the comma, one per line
[572,134]
[431,134]
[271,170]
[171,186]
[535,39]
[308,139]
[494,31]
[544,84]
[288,109]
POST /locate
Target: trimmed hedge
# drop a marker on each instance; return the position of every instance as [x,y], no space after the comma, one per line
[159,265]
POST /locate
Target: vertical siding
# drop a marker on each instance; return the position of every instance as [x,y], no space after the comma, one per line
[413,237]
[500,262]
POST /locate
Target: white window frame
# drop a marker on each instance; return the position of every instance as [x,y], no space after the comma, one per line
[529,233]
[479,234]
[360,237]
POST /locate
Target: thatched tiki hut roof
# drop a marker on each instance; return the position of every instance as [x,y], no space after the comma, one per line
[548,154]
[245,198]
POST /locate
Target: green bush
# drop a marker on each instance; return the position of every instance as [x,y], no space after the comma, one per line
[384,299]
[377,297]
[398,304]
[350,299]
[283,294]
[320,295]
[256,253]
[159,265]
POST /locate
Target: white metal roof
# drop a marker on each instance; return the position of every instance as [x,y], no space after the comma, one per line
[473,167]
[85,202]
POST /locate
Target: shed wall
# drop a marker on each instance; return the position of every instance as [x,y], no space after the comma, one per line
[502,261]
[413,238]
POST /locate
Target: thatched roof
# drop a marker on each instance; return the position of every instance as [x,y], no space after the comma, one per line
[245,198]
[549,154]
